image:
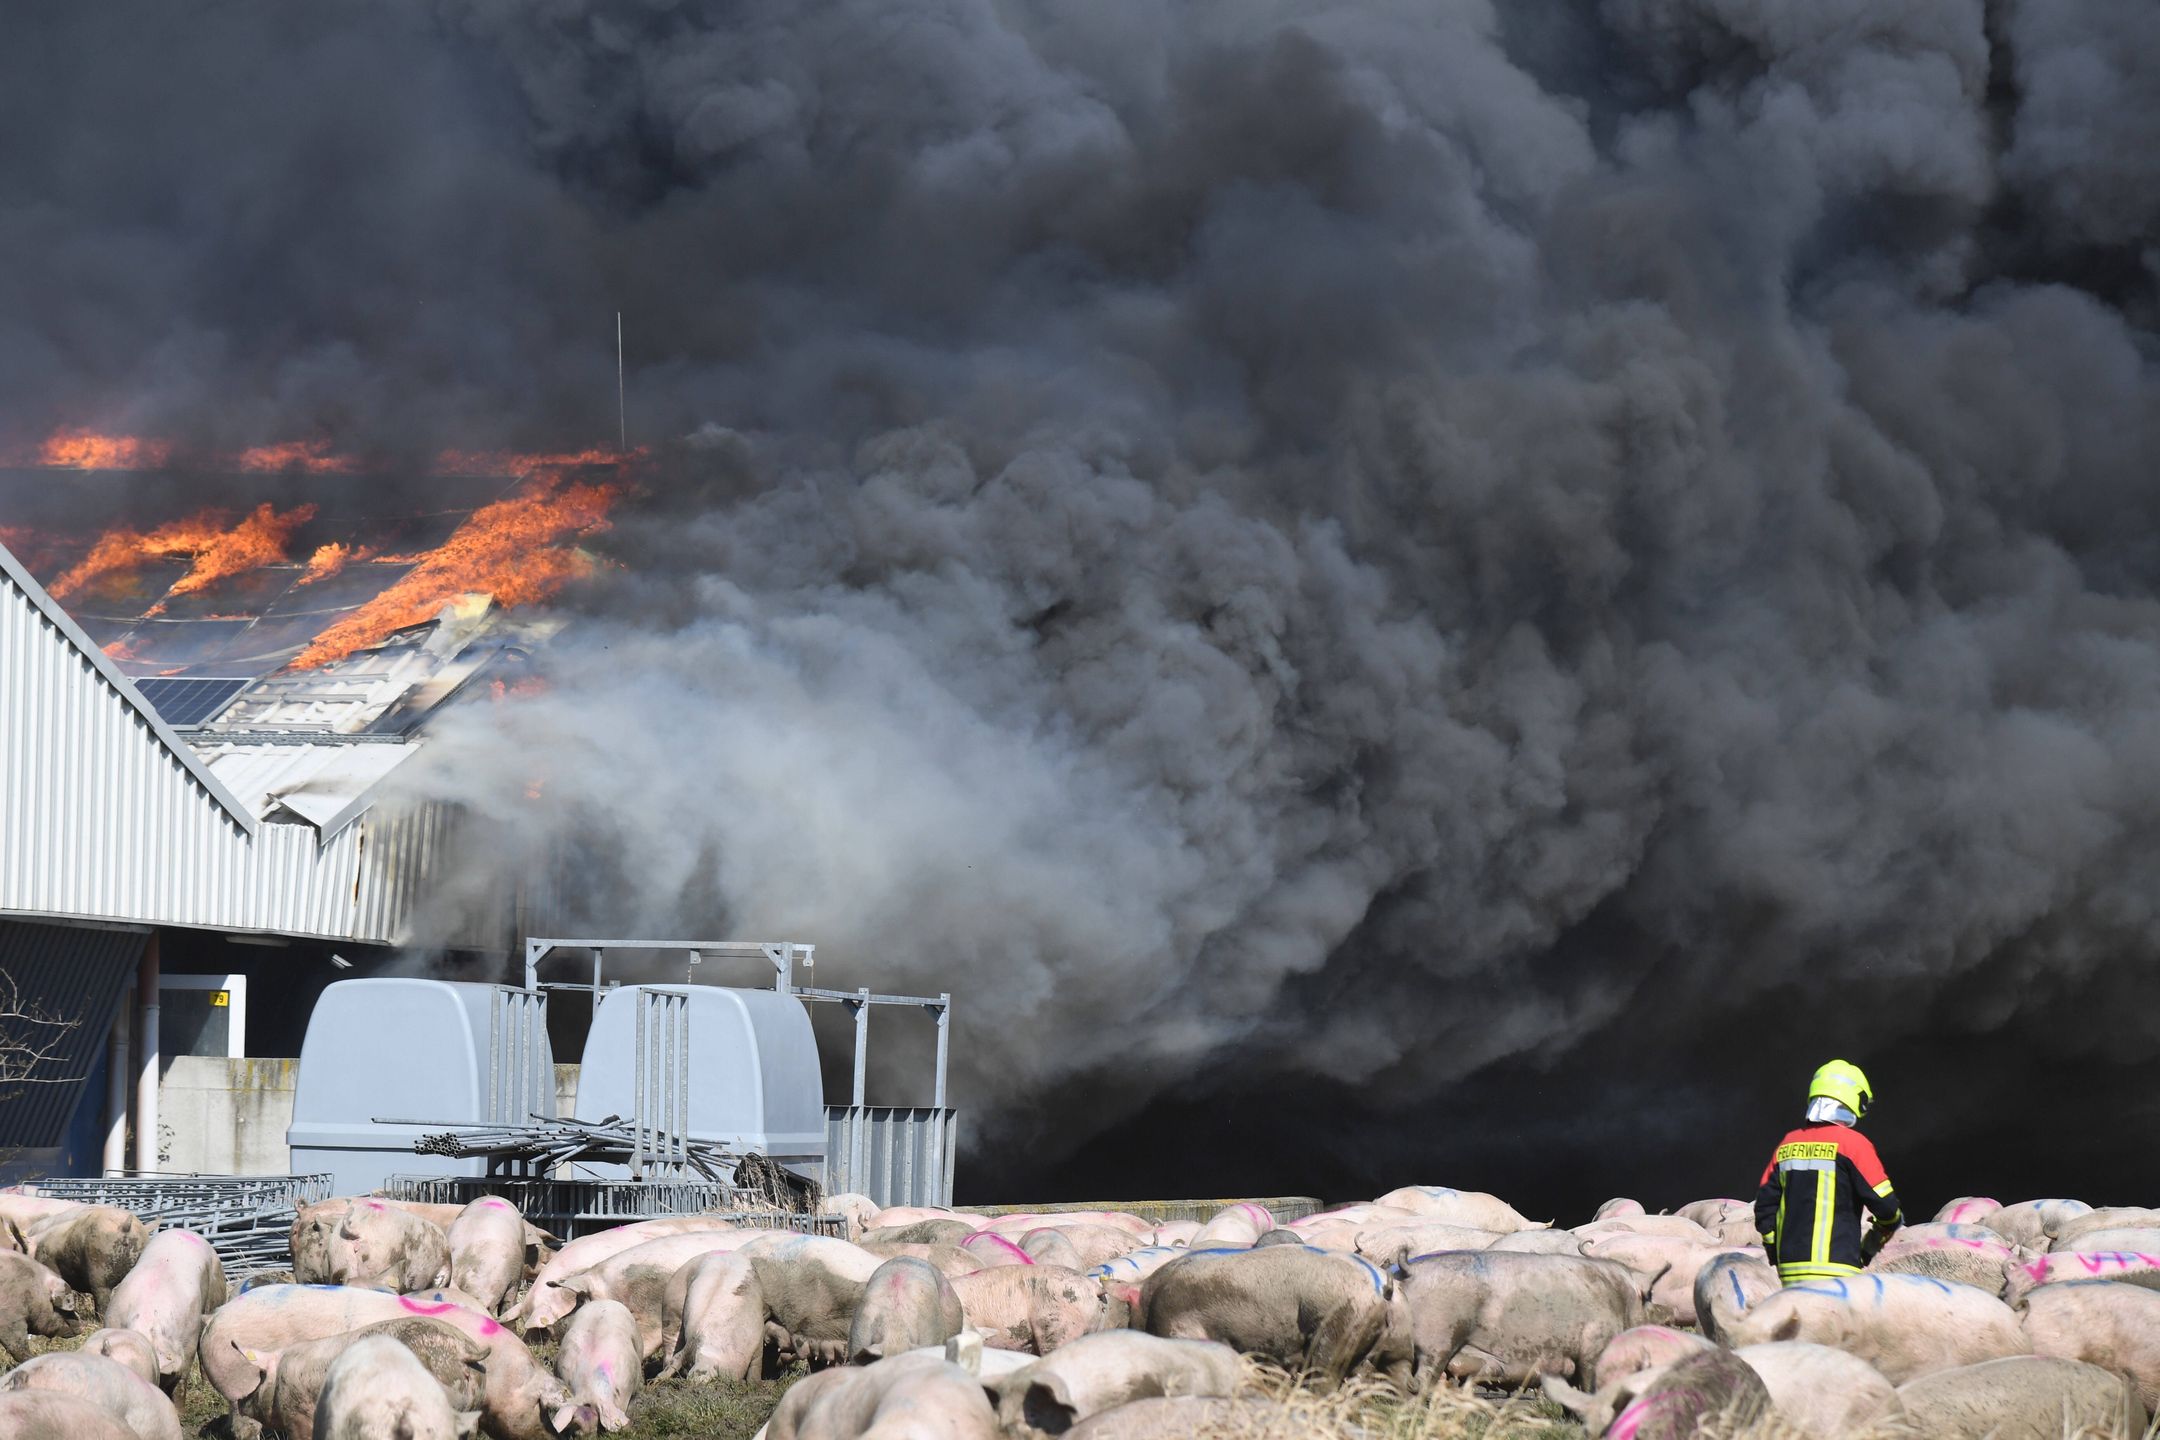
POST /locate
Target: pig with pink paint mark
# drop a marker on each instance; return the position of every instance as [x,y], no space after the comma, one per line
[546,1301]
[520,1395]
[1618,1208]
[2128,1267]
[1237,1226]
[167,1296]
[1670,1402]
[601,1363]
[1968,1210]
[383,1245]
[487,1252]
[1646,1347]
[994,1249]
[292,1378]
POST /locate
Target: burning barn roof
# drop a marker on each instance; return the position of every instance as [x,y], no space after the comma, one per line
[299,631]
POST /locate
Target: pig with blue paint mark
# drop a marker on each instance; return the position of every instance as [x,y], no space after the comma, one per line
[1318,1311]
[1510,1319]
[1905,1326]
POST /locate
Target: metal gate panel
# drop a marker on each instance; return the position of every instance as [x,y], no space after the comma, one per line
[521,1080]
[896,1155]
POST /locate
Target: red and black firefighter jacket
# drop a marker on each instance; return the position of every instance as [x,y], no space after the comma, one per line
[1813,1190]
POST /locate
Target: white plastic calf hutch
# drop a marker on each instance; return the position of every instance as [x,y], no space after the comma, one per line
[391,1049]
[742,1065]
[677,1067]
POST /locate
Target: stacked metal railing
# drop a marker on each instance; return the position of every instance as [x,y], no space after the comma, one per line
[247,1219]
[569,1209]
[540,1145]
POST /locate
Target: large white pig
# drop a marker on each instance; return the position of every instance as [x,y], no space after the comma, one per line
[378,1390]
[907,1396]
[110,1386]
[1510,1318]
[2124,1266]
[1904,1325]
[487,1252]
[376,1244]
[167,1296]
[1100,1372]
[547,1302]
[1824,1393]
[2021,1397]
[2116,1327]
[1474,1208]
[601,1363]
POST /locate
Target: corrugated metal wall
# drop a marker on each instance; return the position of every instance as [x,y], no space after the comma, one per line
[63,973]
[99,818]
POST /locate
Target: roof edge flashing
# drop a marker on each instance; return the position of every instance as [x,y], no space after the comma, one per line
[102,663]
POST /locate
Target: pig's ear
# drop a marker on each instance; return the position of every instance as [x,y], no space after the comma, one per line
[574,1419]
[1787,1329]
[257,1361]
[578,1285]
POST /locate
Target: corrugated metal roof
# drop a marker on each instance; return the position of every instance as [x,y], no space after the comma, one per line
[106,815]
[64,973]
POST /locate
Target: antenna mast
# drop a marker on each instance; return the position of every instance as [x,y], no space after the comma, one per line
[622,422]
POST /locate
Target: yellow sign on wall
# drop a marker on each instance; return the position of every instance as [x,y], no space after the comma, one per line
[219,999]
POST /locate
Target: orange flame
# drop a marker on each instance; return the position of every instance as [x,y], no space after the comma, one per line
[313,456]
[78,449]
[216,549]
[511,550]
[121,649]
[326,561]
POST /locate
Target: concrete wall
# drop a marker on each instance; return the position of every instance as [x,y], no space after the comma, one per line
[225,1117]
[228,1117]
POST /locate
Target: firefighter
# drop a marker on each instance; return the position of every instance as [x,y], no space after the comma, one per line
[1818,1181]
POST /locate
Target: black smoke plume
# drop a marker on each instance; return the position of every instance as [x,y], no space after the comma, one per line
[1387,591]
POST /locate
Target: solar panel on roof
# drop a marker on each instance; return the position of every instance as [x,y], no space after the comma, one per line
[188,701]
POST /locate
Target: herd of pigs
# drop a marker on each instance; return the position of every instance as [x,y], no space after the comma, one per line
[411,1322]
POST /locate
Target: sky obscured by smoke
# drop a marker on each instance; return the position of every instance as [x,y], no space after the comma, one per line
[1279,550]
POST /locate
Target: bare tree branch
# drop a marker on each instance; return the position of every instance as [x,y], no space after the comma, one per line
[30,1040]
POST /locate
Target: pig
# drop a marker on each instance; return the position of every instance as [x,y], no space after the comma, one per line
[1313,1310]
[168,1294]
[110,1386]
[949,1259]
[1135,1266]
[2124,1266]
[722,1334]
[930,1232]
[312,1230]
[487,1252]
[2032,1223]
[639,1276]
[547,1302]
[1101,1372]
[893,1215]
[1645,1347]
[1727,1285]
[49,1415]
[907,1396]
[520,1395]
[1709,1387]
[2021,1397]
[91,1247]
[2141,1238]
[1473,1208]
[1614,1208]
[379,1390]
[1511,1318]
[601,1363]
[23,1211]
[1020,1222]
[1668,1265]
[993,1249]
[1037,1307]
[859,1209]
[812,1287]
[1824,1393]
[1968,1210]
[1904,1325]
[1537,1242]
[1669,1227]
[291,1380]
[1096,1243]
[906,1304]
[128,1347]
[2116,1327]
[1050,1247]
[2068,1231]
[1393,1244]
[380,1245]
[1235,1225]
[1982,1263]
[33,1301]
